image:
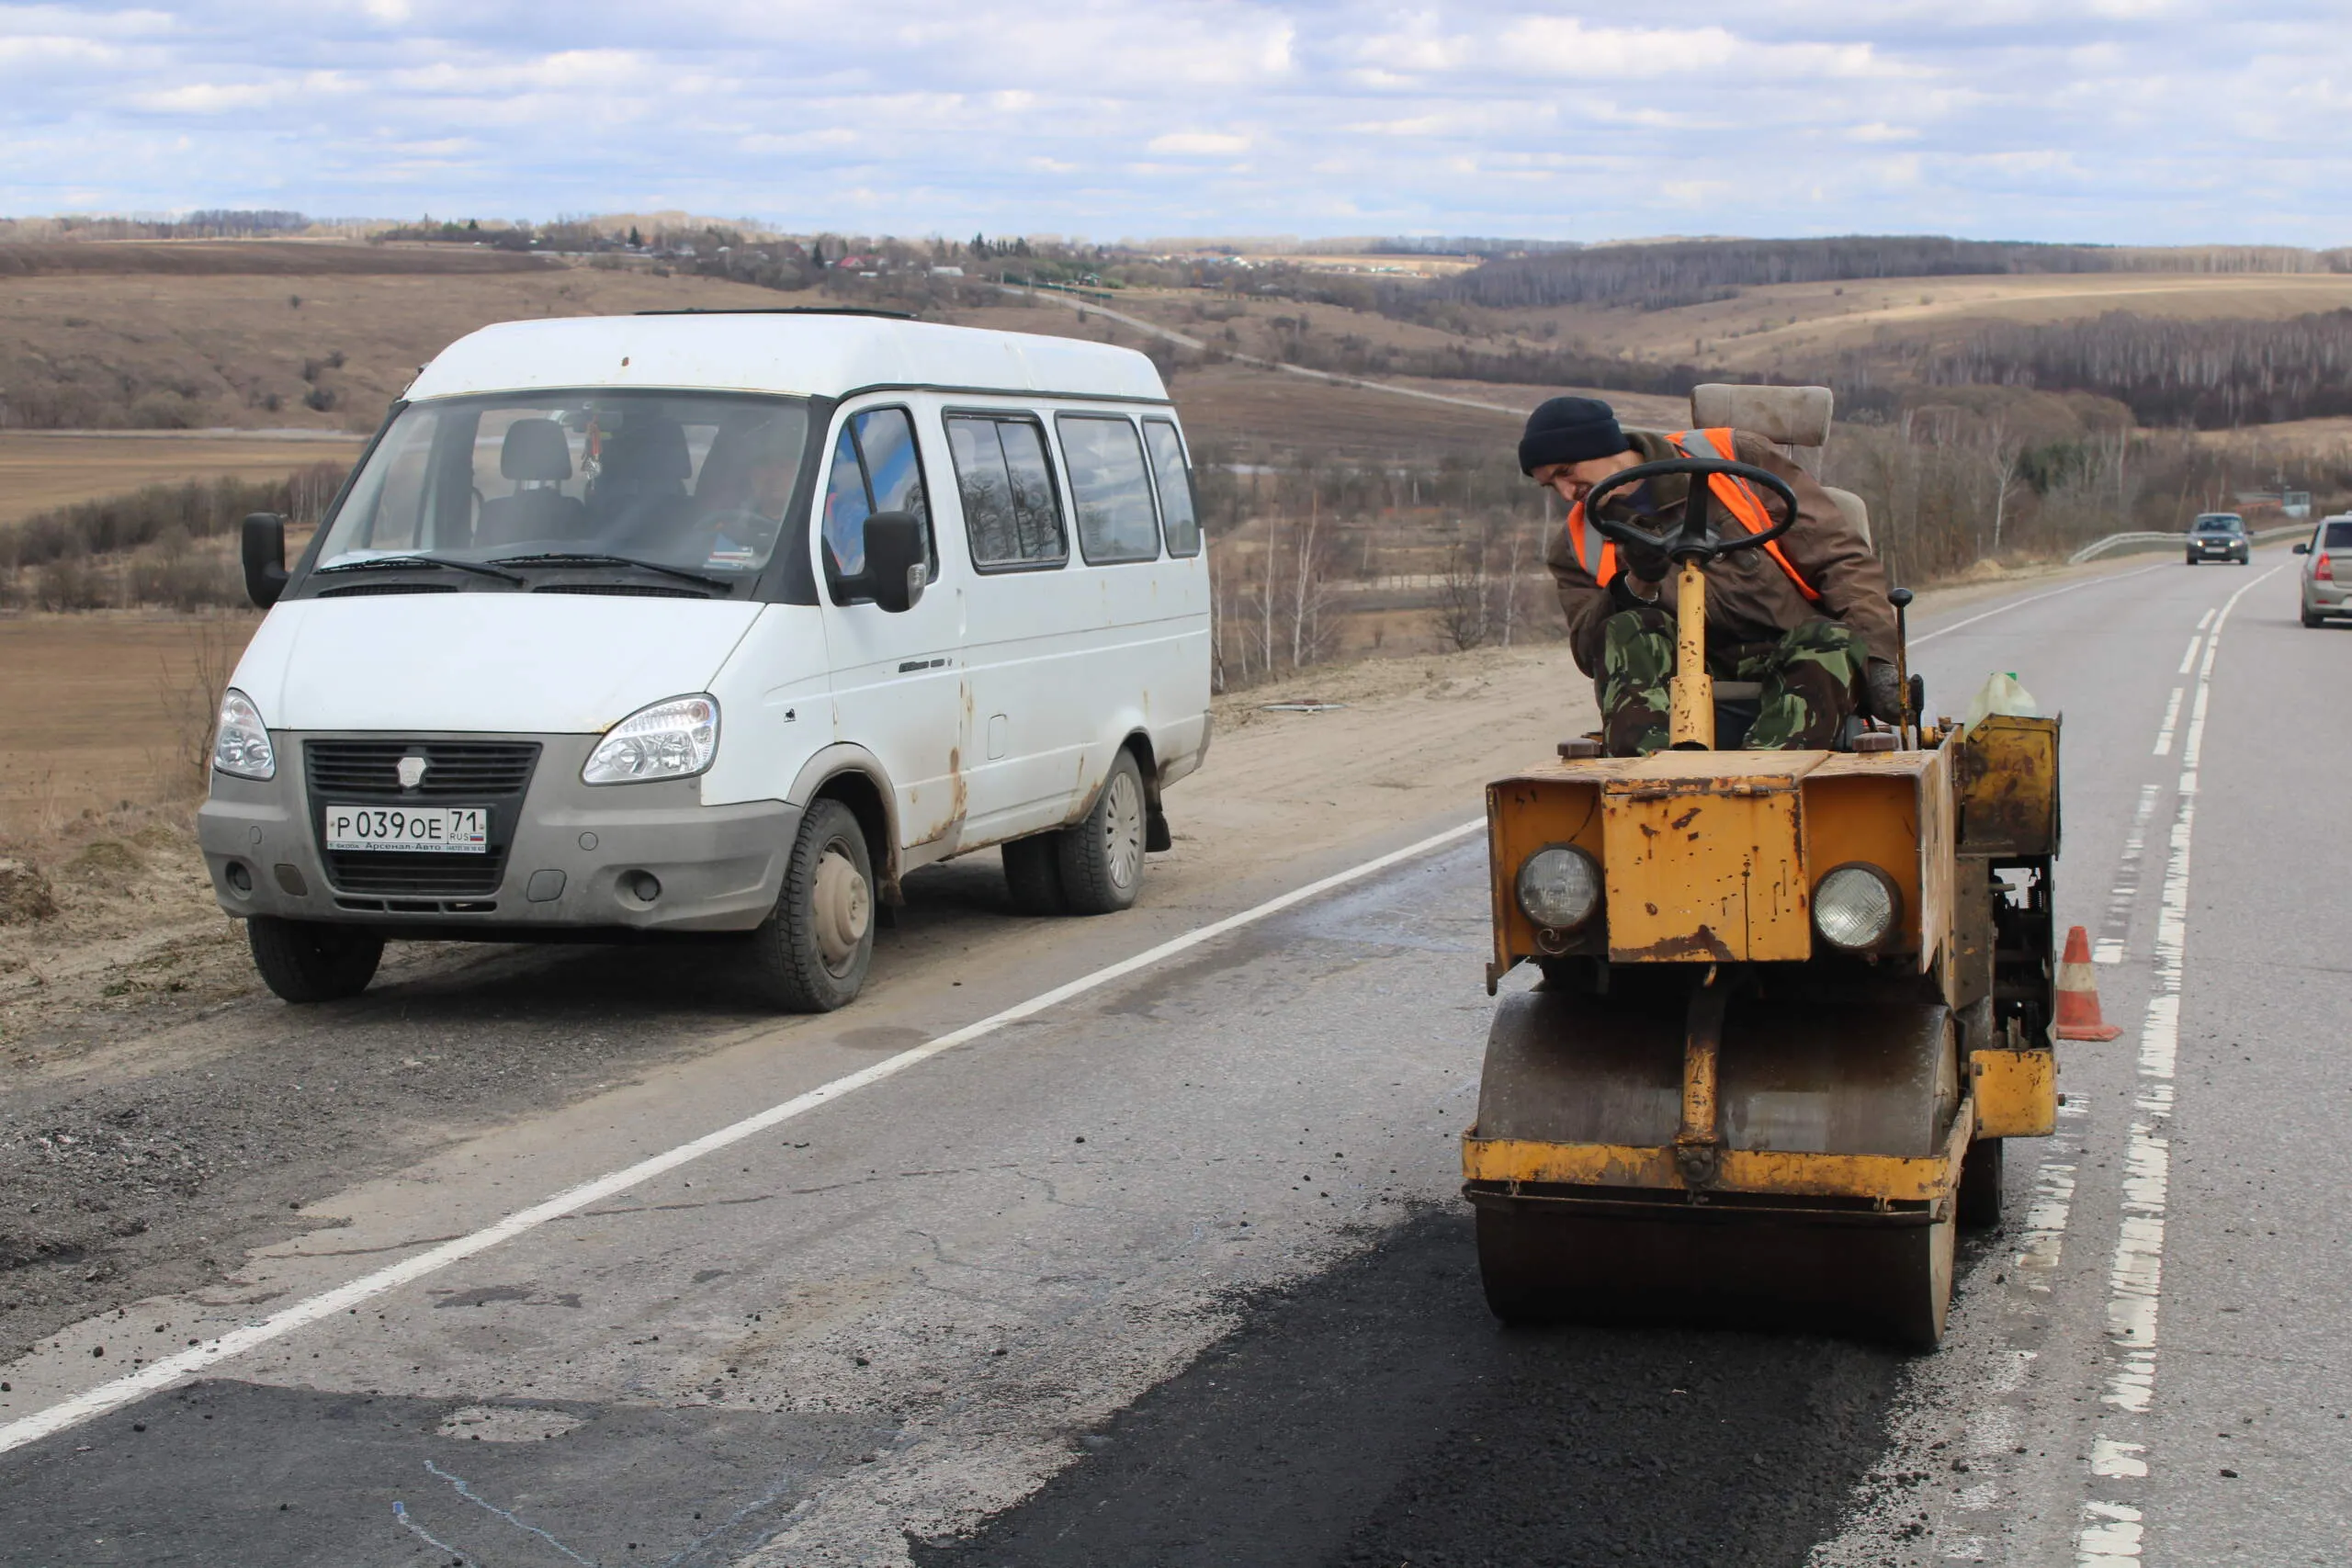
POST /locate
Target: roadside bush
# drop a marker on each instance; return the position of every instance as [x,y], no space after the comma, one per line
[149,548]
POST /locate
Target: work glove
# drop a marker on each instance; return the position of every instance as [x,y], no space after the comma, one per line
[1885,692]
[1649,565]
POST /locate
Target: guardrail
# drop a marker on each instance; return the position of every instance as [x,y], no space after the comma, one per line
[2126,543]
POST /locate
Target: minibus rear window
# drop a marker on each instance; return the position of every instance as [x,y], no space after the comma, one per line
[1010,511]
[1179,519]
[1104,457]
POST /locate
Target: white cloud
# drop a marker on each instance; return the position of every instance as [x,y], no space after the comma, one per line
[1442,116]
[1197,144]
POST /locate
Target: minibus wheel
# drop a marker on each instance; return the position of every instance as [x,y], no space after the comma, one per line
[816,945]
[1101,853]
[307,961]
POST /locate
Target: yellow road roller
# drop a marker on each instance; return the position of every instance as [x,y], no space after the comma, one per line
[1791,1003]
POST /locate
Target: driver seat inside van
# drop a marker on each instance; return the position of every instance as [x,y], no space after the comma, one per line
[537,455]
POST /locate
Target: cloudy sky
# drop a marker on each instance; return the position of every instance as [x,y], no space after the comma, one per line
[2125,120]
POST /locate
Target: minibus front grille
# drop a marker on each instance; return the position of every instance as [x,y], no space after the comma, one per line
[468,769]
[369,873]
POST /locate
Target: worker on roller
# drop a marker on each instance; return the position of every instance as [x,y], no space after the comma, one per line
[1807,615]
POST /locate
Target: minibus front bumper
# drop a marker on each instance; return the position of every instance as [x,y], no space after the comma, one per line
[643,857]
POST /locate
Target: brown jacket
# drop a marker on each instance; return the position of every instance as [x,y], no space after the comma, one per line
[1750,598]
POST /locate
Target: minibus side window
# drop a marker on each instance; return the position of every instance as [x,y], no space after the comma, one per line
[1180,518]
[1104,459]
[877,467]
[1011,510]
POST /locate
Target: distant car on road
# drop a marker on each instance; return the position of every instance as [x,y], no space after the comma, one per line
[2322,594]
[2218,536]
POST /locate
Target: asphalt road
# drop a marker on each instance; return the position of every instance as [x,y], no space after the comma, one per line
[1170,1269]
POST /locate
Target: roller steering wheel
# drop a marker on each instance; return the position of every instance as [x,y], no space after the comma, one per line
[1696,538]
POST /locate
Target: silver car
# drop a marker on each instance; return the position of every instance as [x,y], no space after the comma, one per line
[2327,592]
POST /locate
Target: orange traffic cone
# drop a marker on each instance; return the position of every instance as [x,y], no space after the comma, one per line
[2079,1016]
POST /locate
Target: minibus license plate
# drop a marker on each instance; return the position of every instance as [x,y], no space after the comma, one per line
[448,829]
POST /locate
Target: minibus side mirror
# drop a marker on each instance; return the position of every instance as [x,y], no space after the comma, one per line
[897,559]
[2304,548]
[265,554]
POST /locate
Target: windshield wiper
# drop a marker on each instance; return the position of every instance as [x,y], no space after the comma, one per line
[560,558]
[379,563]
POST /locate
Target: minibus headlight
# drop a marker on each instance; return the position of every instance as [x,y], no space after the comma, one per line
[1559,887]
[672,739]
[241,741]
[1854,908]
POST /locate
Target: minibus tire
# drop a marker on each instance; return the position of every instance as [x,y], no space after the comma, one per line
[1101,853]
[1032,870]
[789,945]
[307,961]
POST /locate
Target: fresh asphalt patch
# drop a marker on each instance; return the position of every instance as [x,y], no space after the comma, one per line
[267,1477]
[1376,1414]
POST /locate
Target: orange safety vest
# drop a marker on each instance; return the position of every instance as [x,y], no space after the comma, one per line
[1598,556]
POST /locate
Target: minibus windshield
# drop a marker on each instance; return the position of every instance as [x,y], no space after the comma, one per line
[689,486]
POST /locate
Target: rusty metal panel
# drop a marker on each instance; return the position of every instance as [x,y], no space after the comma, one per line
[1708,863]
[1552,805]
[2016,1094]
[2009,786]
[1893,810]
[1968,952]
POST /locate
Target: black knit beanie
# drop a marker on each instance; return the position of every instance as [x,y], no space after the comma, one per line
[1570,430]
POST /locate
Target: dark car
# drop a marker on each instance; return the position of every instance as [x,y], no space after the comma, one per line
[2218,536]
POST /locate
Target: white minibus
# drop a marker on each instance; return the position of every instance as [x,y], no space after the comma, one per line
[716,623]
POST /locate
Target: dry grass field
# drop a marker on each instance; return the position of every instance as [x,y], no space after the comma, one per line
[1763,326]
[1801,320]
[106,708]
[235,349]
[40,469]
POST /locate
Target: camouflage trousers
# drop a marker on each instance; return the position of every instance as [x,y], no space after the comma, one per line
[1811,679]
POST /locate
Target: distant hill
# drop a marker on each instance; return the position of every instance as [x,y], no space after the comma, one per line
[276,258]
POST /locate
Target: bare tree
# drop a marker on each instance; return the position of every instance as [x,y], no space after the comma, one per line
[1464,605]
[2002,451]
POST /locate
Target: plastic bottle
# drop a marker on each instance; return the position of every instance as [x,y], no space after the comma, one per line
[2001,693]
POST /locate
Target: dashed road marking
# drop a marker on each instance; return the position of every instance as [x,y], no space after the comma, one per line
[2172,721]
[2112,1532]
[2115,931]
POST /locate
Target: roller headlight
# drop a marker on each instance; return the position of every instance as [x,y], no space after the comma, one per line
[241,741]
[1854,908]
[1559,887]
[674,740]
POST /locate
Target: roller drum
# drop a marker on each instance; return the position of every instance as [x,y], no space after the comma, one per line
[1862,1075]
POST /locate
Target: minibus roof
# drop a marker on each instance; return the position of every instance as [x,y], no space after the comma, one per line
[810,354]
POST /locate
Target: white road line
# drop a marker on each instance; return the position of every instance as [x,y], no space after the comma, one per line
[2172,719]
[2044,1242]
[2032,598]
[2189,659]
[171,1369]
[2206,619]
[2113,1530]
[2116,928]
